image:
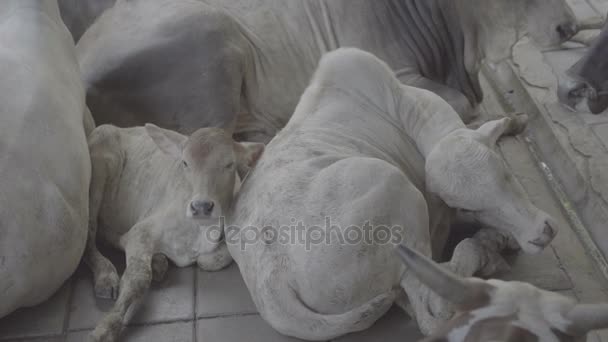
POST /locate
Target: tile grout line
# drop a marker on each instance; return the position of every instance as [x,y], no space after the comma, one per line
[194,304]
[227,315]
[66,316]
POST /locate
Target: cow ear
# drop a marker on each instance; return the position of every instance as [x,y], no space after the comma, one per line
[493,130]
[465,294]
[247,154]
[170,142]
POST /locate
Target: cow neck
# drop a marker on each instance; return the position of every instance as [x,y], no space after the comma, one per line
[442,42]
[427,123]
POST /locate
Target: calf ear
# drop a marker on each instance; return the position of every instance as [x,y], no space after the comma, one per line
[247,154]
[465,294]
[168,141]
[491,131]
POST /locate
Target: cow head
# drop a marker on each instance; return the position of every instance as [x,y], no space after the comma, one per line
[498,24]
[549,22]
[211,160]
[466,172]
[495,310]
[588,78]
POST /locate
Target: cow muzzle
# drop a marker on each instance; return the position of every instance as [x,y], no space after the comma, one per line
[203,209]
[540,237]
[572,92]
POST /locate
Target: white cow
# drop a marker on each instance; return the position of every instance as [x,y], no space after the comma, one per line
[157,194]
[44,161]
[364,151]
[512,311]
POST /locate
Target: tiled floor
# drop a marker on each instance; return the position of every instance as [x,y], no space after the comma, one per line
[190,305]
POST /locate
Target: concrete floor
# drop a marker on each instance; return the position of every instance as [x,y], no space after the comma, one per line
[191,305]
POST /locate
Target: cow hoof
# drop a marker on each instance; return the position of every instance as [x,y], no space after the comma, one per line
[494,243]
[518,124]
[108,330]
[107,285]
[160,265]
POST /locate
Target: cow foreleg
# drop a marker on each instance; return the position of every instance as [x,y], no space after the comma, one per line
[105,277]
[479,255]
[134,283]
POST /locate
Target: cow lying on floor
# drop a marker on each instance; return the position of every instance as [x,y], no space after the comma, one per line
[155,194]
[495,310]
[188,64]
[363,150]
[44,161]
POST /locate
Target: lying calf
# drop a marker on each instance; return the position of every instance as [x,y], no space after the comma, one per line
[156,193]
[495,310]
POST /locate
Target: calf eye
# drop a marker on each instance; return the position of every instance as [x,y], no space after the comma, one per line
[184,164]
[230,165]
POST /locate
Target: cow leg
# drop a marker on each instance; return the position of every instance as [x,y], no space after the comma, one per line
[134,283]
[455,98]
[479,255]
[105,277]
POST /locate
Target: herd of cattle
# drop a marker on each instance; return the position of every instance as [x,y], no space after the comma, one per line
[262,113]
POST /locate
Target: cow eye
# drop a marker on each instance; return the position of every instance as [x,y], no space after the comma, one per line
[184,164]
[230,165]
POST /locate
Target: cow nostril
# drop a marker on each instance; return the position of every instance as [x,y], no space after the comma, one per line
[193,208]
[208,207]
[548,230]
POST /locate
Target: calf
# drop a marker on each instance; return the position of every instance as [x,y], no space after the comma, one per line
[494,310]
[156,194]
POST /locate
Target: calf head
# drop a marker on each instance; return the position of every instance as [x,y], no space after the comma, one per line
[211,160]
[467,173]
[495,310]
[500,23]
[588,78]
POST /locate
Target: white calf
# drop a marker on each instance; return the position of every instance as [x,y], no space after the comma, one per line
[157,194]
[495,310]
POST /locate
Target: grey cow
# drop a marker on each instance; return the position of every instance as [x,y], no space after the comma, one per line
[363,150]
[243,64]
[588,78]
[157,194]
[45,167]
